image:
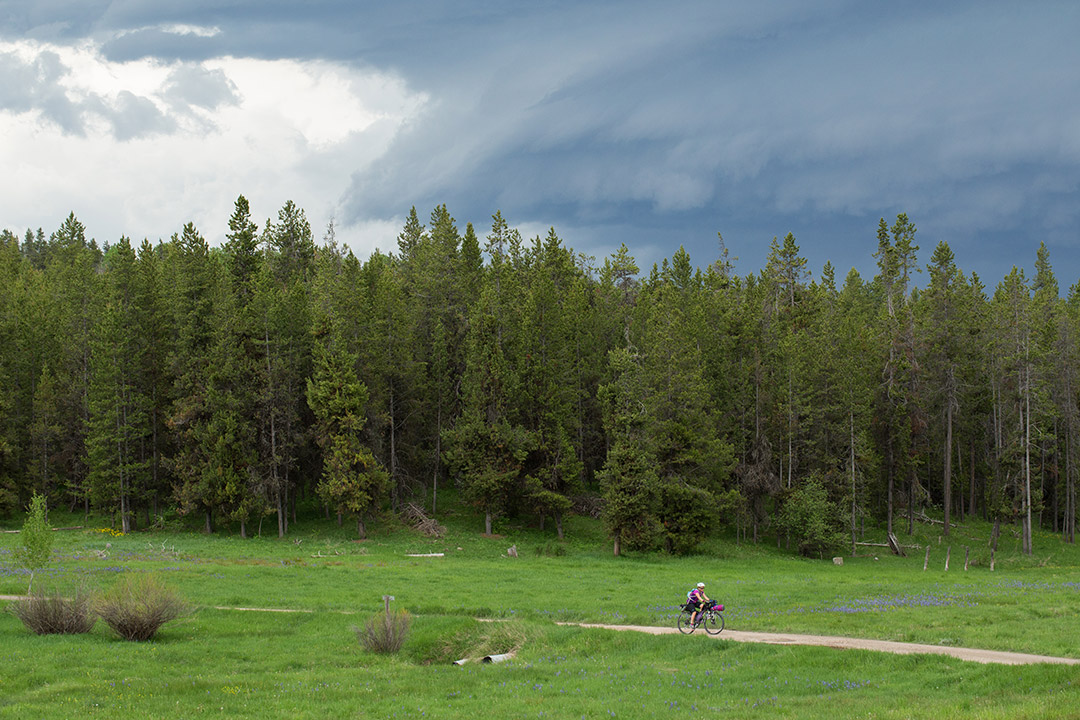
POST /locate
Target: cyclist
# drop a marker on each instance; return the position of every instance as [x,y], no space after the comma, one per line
[699,600]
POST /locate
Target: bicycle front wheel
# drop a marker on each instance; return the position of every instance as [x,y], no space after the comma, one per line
[714,623]
[684,623]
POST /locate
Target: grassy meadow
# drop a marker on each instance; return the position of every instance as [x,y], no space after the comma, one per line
[308,663]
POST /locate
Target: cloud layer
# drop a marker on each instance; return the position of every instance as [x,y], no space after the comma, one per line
[613,122]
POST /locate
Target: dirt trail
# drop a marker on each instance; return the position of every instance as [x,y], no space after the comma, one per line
[845,643]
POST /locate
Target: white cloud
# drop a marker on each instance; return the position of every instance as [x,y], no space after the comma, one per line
[150,158]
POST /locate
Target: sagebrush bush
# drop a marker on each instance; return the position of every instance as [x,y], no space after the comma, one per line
[54,614]
[138,605]
[385,632]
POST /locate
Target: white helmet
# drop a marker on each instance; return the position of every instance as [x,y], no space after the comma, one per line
[701,585]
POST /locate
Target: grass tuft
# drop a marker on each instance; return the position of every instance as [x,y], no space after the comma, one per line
[385,632]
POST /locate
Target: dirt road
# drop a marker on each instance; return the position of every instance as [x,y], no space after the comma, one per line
[845,643]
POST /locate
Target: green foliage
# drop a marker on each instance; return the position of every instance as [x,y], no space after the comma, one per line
[174,379]
[631,498]
[551,549]
[36,538]
[487,458]
[385,632]
[811,520]
[689,516]
[352,480]
[56,614]
[137,606]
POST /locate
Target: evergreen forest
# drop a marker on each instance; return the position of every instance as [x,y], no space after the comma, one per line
[230,382]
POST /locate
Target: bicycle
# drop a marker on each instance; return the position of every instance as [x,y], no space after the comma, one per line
[711,618]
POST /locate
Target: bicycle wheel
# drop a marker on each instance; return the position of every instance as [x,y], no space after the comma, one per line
[684,623]
[714,623]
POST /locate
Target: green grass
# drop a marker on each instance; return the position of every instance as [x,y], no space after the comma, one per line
[228,663]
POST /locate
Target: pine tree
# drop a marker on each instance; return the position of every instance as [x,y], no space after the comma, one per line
[485,449]
[191,360]
[1013,391]
[942,333]
[352,481]
[628,480]
[117,423]
[547,402]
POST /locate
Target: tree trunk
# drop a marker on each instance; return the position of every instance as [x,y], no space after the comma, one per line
[971,507]
[438,459]
[617,548]
[395,493]
[947,480]
[1027,463]
[890,471]
[487,523]
[851,427]
[911,500]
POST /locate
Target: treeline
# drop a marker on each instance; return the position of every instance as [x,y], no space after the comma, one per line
[233,381]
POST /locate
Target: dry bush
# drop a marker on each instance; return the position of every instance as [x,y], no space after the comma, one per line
[137,606]
[385,632]
[54,614]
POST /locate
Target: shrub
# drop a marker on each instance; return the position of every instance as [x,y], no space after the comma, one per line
[54,614]
[385,632]
[551,549]
[137,606]
[811,520]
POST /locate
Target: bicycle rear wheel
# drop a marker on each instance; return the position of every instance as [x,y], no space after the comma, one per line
[684,623]
[714,623]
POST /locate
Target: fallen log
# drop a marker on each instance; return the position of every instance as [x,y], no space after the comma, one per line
[895,546]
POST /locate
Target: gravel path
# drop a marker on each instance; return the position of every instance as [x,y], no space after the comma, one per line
[845,643]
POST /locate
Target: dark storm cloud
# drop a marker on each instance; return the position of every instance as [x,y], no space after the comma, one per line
[670,122]
[50,19]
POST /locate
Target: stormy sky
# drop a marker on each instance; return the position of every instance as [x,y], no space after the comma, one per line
[654,124]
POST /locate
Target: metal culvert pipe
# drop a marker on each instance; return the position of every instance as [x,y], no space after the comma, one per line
[498,658]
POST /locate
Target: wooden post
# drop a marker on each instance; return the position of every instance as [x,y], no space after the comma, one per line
[948,553]
[967,556]
[927,560]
